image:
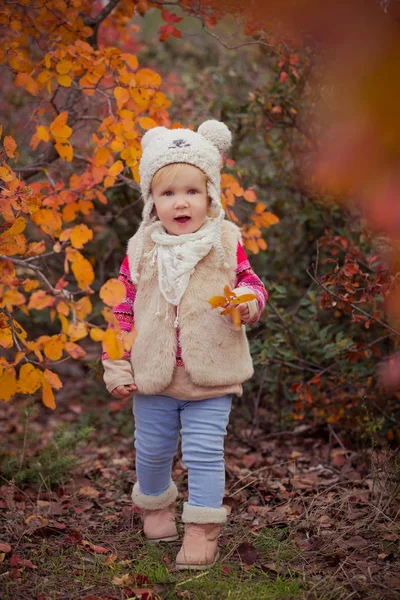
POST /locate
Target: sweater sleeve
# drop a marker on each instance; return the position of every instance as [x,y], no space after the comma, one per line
[246,278]
[119,372]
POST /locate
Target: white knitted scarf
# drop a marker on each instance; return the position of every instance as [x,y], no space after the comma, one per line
[177,256]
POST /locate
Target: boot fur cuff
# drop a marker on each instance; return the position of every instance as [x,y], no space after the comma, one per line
[203,514]
[154,502]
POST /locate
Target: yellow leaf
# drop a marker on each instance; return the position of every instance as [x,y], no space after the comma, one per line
[18,226]
[64,80]
[6,174]
[96,334]
[113,292]
[54,348]
[30,379]
[147,123]
[48,220]
[235,314]
[112,345]
[30,284]
[59,127]
[83,308]
[80,235]
[8,385]
[109,182]
[77,332]
[9,146]
[6,339]
[12,298]
[116,168]
[243,298]
[64,66]
[53,379]
[40,300]
[65,150]
[43,133]
[47,395]
[82,270]
[74,350]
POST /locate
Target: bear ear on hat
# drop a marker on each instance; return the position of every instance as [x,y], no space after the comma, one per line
[217,133]
[151,135]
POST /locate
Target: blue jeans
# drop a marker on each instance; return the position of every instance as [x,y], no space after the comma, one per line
[203,427]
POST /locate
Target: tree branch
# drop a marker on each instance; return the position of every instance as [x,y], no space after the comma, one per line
[96,21]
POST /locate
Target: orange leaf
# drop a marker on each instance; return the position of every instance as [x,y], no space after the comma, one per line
[64,80]
[147,123]
[47,395]
[30,379]
[83,308]
[40,300]
[8,385]
[243,298]
[116,168]
[80,235]
[59,127]
[53,379]
[65,150]
[43,133]
[96,334]
[53,349]
[74,350]
[217,301]
[48,220]
[131,60]
[148,78]
[9,146]
[235,314]
[122,96]
[113,292]
[6,339]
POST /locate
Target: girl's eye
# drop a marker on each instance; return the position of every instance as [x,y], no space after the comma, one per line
[192,191]
[168,193]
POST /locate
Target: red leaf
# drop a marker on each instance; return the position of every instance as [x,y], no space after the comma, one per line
[170,17]
[16,561]
[166,31]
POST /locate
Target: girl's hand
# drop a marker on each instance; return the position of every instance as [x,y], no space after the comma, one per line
[244,312]
[123,391]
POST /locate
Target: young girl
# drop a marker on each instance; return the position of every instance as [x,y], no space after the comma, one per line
[187,359]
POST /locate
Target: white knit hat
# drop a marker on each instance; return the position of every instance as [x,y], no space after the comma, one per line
[202,149]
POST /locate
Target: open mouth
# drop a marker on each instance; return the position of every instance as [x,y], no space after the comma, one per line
[182,220]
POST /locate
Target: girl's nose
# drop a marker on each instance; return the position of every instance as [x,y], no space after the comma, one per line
[180,201]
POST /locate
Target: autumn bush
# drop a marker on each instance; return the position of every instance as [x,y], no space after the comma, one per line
[82,82]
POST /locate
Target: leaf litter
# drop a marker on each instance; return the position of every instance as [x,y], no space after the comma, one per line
[297,504]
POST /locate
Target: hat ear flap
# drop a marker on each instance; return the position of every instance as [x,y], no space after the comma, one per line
[151,135]
[217,133]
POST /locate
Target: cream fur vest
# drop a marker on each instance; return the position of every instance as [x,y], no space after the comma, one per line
[214,353]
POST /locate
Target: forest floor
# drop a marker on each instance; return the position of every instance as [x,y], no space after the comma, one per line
[310,517]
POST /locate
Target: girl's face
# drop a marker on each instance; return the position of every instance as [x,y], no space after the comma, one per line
[180,199]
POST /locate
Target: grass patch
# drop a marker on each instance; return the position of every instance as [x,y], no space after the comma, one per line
[50,465]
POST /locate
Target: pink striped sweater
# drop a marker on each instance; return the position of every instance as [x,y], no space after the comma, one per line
[245,277]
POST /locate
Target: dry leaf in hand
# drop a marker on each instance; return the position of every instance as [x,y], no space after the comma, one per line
[229,301]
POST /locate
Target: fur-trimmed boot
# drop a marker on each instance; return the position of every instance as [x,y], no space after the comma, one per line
[200,543]
[158,513]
